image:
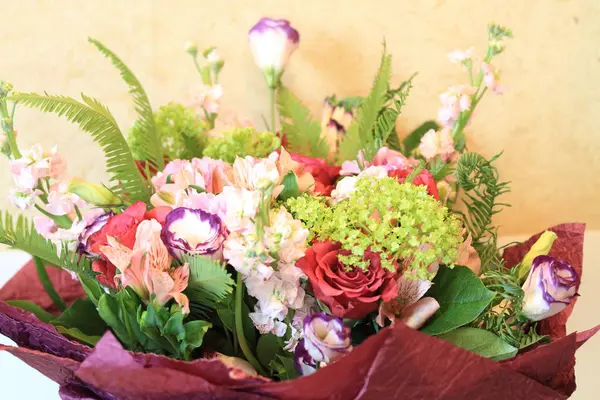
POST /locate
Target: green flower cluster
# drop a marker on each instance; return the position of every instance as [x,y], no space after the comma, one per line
[242,142]
[401,222]
[181,130]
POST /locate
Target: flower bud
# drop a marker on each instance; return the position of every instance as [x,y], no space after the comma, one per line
[191,48]
[272,42]
[95,194]
[540,248]
[549,288]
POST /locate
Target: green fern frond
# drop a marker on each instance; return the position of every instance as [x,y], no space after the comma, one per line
[149,144]
[97,120]
[360,134]
[303,134]
[209,282]
[479,180]
[20,234]
[385,126]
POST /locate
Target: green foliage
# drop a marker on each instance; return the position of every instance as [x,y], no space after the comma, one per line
[284,368]
[148,144]
[38,311]
[226,313]
[479,180]
[181,133]
[267,348]
[209,281]
[95,119]
[412,141]
[290,186]
[20,234]
[481,342]
[439,169]
[359,135]
[81,321]
[503,315]
[151,328]
[411,225]
[385,126]
[92,288]
[242,142]
[303,134]
[462,298]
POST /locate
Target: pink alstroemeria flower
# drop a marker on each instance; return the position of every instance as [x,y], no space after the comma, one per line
[147,268]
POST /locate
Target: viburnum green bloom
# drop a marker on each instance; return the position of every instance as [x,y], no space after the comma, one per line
[181,130]
[242,142]
[400,221]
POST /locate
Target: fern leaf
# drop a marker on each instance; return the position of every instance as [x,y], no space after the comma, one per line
[97,120]
[20,234]
[479,180]
[303,134]
[209,281]
[150,148]
[359,135]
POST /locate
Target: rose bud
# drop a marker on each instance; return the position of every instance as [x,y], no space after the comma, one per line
[272,42]
[549,288]
[93,193]
[194,232]
[326,340]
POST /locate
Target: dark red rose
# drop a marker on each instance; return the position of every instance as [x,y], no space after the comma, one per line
[325,175]
[348,294]
[423,178]
[122,227]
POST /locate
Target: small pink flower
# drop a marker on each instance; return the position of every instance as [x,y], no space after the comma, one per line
[490,77]
[44,226]
[456,100]
[458,56]
[387,158]
[216,173]
[147,268]
[207,97]
[435,143]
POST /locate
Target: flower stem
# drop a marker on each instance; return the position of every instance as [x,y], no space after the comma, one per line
[7,127]
[239,328]
[61,220]
[47,284]
[273,93]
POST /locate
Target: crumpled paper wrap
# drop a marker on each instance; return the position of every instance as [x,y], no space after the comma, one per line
[398,362]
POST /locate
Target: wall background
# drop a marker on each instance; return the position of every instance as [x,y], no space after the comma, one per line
[546,122]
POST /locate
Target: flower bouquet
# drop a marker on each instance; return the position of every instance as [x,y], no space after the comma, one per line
[307,261]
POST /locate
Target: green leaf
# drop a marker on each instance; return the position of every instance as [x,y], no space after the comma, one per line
[290,186]
[267,348]
[439,169]
[92,288]
[38,311]
[82,315]
[481,342]
[360,133]
[285,368]
[174,327]
[97,120]
[227,316]
[77,334]
[20,234]
[462,297]
[532,338]
[303,134]
[150,147]
[194,332]
[209,281]
[413,140]
[108,309]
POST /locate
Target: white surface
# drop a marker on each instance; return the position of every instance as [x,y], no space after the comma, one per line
[18,381]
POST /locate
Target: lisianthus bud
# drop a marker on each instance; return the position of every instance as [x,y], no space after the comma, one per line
[194,232]
[272,42]
[95,194]
[549,288]
[326,340]
[540,248]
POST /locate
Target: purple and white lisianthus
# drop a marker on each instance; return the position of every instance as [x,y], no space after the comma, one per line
[193,232]
[89,230]
[549,288]
[326,340]
[272,42]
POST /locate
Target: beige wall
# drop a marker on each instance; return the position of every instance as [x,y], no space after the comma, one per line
[546,122]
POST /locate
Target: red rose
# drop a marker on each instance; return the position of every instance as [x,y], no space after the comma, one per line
[423,178]
[348,294]
[122,227]
[325,175]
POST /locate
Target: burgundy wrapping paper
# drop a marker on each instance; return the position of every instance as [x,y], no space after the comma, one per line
[397,363]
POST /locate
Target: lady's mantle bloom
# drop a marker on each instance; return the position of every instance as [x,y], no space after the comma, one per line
[147,268]
[326,340]
[549,288]
[193,232]
[272,42]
